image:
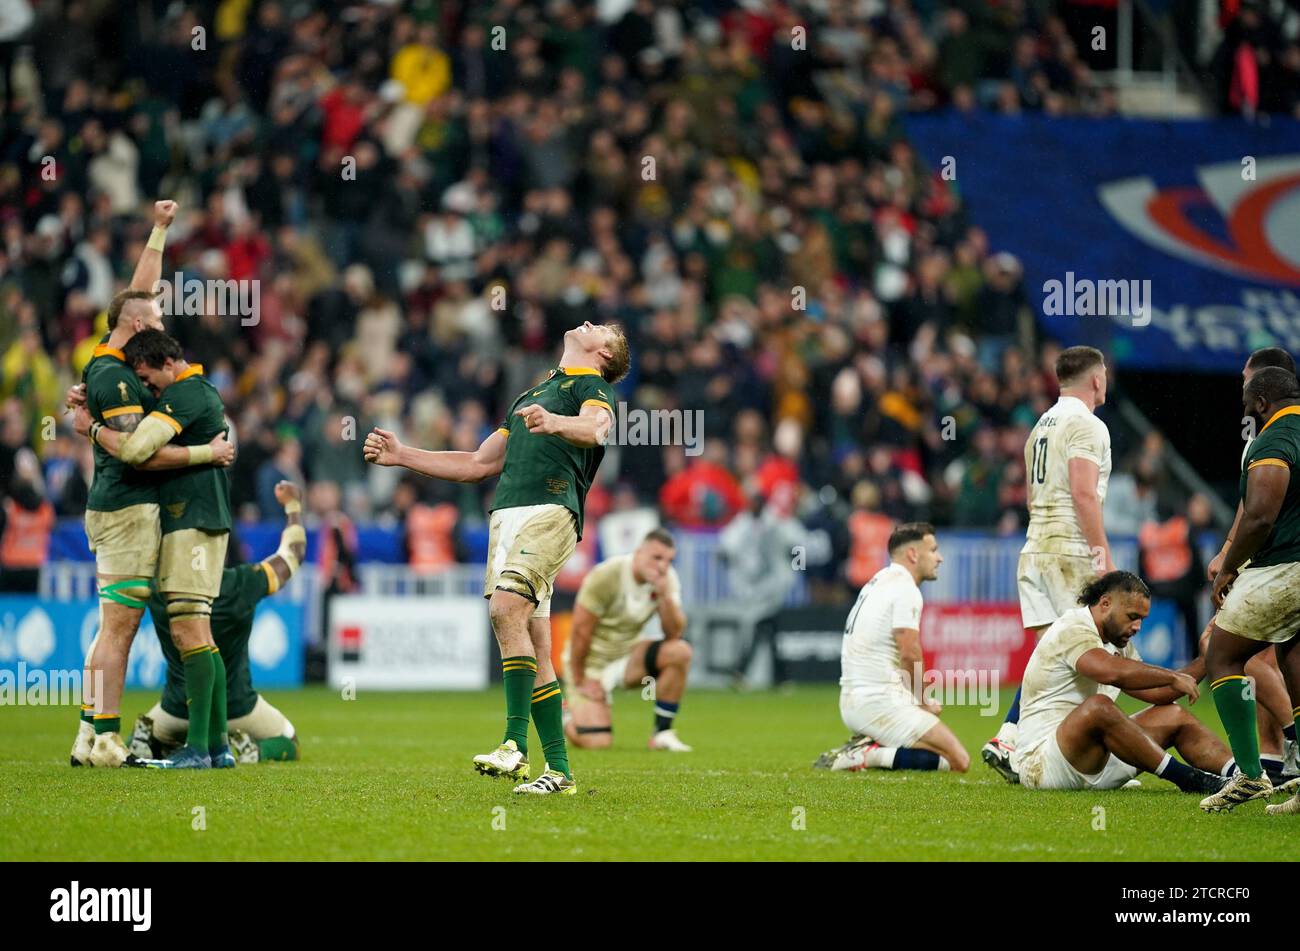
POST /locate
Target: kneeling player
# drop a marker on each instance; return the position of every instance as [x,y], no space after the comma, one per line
[258,731]
[1073,736]
[616,601]
[881,663]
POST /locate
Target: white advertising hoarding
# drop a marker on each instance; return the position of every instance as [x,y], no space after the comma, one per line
[408,643]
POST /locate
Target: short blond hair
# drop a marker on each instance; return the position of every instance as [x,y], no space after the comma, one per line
[620,359]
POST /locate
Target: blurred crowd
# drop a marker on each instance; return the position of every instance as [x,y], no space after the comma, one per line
[429,193]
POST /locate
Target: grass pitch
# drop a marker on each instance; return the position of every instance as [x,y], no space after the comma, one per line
[388,776]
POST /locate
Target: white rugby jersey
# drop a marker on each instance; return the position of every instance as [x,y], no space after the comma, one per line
[869,656]
[1066,431]
[1052,688]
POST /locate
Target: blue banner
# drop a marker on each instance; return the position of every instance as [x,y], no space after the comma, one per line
[1198,219]
[41,635]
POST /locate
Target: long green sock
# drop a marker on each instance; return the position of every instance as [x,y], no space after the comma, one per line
[199,674]
[517,676]
[548,714]
[217,725]
[276,748]
[1234,698]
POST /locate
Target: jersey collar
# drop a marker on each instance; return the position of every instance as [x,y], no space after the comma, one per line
[578,371]
[194,369]
[104,350]
[1284,411]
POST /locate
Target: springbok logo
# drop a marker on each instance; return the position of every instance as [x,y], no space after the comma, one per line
[1260,234]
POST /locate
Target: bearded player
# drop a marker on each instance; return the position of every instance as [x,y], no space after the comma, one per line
[258,731]
[194,510]
[547,451]
[1067,469]
[122,518]
[606,650]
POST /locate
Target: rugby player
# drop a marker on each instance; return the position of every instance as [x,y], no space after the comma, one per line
[122,521]
[546,451]
[880,682]
[1259,605]
[1073,736]
[606,651]
[258,731]
[195,522]
[1067,469]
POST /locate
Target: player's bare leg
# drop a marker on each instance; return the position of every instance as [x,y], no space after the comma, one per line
[1273,707]
[1172,725]
[1097,728]
[510,613]
[940,739]
[672,663]
[111,648]
[192,634]
[589,725]
[1288,661]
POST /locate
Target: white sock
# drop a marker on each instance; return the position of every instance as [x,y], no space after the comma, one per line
[1008,733]
[881,758]
[944,765]
[1229,768]
[1164,764]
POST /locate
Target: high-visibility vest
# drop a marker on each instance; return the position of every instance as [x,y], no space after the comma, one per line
[26,542]
[868,546]
[429,535]
[1166,549]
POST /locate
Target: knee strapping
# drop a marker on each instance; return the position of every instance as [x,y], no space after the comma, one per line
[183,606]
[130,592]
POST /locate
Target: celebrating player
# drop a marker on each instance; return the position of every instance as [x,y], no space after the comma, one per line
[1258,604]
[1067,468]
[546,451]
[122,523]
[1072,736]
[258,731]
[881,662]
[615,603]
[195,522]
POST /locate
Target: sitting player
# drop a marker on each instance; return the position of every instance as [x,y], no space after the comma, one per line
[1073,736]
[605,650]
[258,731]
[881,669]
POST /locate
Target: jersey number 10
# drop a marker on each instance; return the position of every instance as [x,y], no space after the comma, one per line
[1038,471]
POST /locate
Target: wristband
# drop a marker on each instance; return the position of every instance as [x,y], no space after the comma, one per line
[292,507]
[157,239]
[200,455]
[95,427]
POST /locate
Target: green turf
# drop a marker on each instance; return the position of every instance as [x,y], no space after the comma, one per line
[387,776]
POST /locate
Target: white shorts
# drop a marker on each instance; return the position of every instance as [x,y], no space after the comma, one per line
[889,715]
[1263,604]
[1045,767]
[1049,585]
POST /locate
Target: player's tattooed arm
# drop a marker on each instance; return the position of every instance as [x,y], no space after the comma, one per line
[589,429]
[383,448]
[293,540]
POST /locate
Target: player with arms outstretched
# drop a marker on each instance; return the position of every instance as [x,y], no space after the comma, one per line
[258,731]
[122,522]
[195,521]
[1067,469]
[606,651]
[546,451]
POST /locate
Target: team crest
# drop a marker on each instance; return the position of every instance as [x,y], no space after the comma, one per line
[176,509]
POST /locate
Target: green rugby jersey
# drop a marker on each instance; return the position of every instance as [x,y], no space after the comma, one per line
[1278,444]
[242,587]
[546,469]
[197,496]
[113,389]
